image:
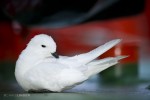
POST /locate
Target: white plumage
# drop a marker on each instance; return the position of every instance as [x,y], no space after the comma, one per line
[37,68]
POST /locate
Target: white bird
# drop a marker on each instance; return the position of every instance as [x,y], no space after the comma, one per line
[40,69]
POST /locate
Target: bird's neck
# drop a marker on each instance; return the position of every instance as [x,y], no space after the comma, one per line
[26,61]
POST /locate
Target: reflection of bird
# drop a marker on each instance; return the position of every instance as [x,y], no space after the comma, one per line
[40,69]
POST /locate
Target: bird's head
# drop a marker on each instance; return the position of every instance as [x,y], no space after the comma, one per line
[42,45]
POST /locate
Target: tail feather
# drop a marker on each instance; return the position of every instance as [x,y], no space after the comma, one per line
[88,57]
[100,65]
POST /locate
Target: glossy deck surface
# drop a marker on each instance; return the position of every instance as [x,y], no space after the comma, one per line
[97,88]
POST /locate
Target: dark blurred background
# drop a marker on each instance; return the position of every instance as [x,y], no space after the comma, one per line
[79,26]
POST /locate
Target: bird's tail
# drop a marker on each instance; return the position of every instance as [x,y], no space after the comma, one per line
[97,66]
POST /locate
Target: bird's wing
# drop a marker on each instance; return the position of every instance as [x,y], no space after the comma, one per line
[52,76]
[97,66]
[43,75]
[88,57]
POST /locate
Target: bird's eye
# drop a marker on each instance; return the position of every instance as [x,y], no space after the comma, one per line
[44,46]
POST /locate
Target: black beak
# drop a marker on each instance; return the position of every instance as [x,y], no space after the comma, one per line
[55,55]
